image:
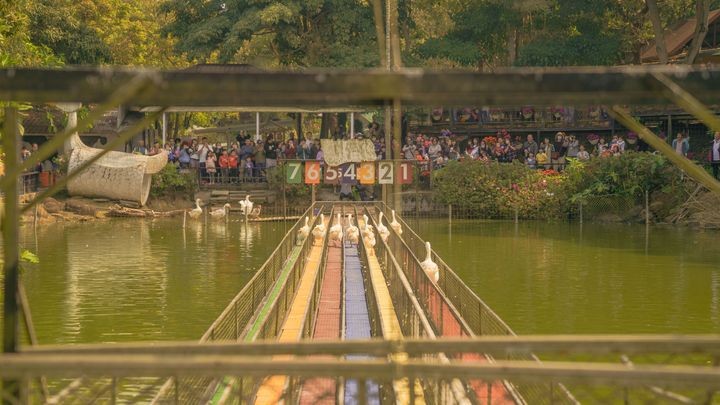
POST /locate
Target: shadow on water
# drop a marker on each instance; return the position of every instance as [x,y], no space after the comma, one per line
[544,277]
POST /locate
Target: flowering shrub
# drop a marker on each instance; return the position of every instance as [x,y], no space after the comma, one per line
[498,190]
[490,140]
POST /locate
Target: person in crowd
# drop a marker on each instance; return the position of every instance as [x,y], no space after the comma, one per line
[573,147]
[600,148]
[548,149]
[184,156]
[530,147]
[621,144]
[260,159]
[211,166]
[233,166]
[680,144]
[249,168]
[224,162]
[531,161]
[559,151]
[715,155]
[542,158]
[434,150]
[583,155]
[140,148]
[202,152]
[194,158]
[155,149]
[290,150]
[271,152]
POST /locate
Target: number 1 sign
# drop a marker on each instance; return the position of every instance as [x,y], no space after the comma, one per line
[405,173]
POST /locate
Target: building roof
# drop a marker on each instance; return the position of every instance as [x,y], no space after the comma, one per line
[676,39]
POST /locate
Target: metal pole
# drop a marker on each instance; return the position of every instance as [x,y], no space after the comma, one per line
[647,208]
[352,125]
[257,127]
[450,214]
[11,257]
[164,129]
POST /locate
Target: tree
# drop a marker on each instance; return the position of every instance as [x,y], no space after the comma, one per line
[654,15]
[295,33]
[702,11]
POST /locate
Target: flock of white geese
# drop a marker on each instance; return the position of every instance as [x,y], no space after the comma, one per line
[353,234]
[246,208]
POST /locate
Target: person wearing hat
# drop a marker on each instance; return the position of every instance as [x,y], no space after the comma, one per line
[715,155]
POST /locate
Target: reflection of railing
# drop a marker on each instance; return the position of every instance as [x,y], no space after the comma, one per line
[457,311]
[232,322]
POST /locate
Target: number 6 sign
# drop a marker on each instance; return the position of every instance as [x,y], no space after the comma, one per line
[312,172]
[385,173]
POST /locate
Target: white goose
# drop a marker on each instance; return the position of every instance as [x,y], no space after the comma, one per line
[197,211]
[382,229]
[352,231]
[303,232]
[246,205]
[366,228]
[395,225]
[336,232]
[430,267]
[220,213]
[319,230]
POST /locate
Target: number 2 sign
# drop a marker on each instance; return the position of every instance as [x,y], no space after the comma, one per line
[385,173]
[405,173]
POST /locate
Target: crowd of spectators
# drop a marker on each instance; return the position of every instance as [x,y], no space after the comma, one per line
[505,148]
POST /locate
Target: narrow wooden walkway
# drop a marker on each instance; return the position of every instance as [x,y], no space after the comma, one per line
[327,326]
[272,389]
[357,322]
[390,323]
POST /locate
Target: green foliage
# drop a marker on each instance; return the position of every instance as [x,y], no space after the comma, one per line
[293,192]
[172,182]
[497,190]
[581,50]
[274,33]
[629,174]
[29,257]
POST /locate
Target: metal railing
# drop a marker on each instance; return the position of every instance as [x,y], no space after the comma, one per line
[456,310]
[232,322]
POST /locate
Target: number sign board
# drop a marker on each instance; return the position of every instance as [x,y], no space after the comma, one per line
[312,172]
[293,174]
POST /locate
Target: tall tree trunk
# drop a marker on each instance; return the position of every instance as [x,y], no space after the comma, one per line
[380,31]
[702,12]
[512,37]
[324,125]
[654,15]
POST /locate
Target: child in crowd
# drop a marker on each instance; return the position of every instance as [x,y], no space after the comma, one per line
[233,165]
[531,162]
[541,159]
[210,166]
[249,168]
[224,165]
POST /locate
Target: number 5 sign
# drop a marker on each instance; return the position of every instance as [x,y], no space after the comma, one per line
[293,174]
[385,173]
[405,173]
[312,172]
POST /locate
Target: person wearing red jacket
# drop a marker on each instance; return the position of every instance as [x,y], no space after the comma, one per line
[233,165]
[224,163]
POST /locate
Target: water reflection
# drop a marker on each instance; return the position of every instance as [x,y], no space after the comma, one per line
[140,280]
[567,278]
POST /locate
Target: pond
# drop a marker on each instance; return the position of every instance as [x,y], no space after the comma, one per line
[123,280]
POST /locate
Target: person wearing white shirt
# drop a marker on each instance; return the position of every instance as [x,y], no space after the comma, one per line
[715,155]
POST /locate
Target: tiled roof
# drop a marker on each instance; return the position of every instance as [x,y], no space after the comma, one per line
[676,39]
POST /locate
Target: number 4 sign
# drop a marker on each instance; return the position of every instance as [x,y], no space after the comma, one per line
[348,174]
[405,173]
[385,173]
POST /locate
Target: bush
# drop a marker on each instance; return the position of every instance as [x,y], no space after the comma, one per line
[495,190]
[628,175]
[170,181]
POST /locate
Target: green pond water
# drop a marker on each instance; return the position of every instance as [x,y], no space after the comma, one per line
[125,280]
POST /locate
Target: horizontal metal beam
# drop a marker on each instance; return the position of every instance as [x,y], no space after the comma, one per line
[534,86]
[124,365]
[570,344]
